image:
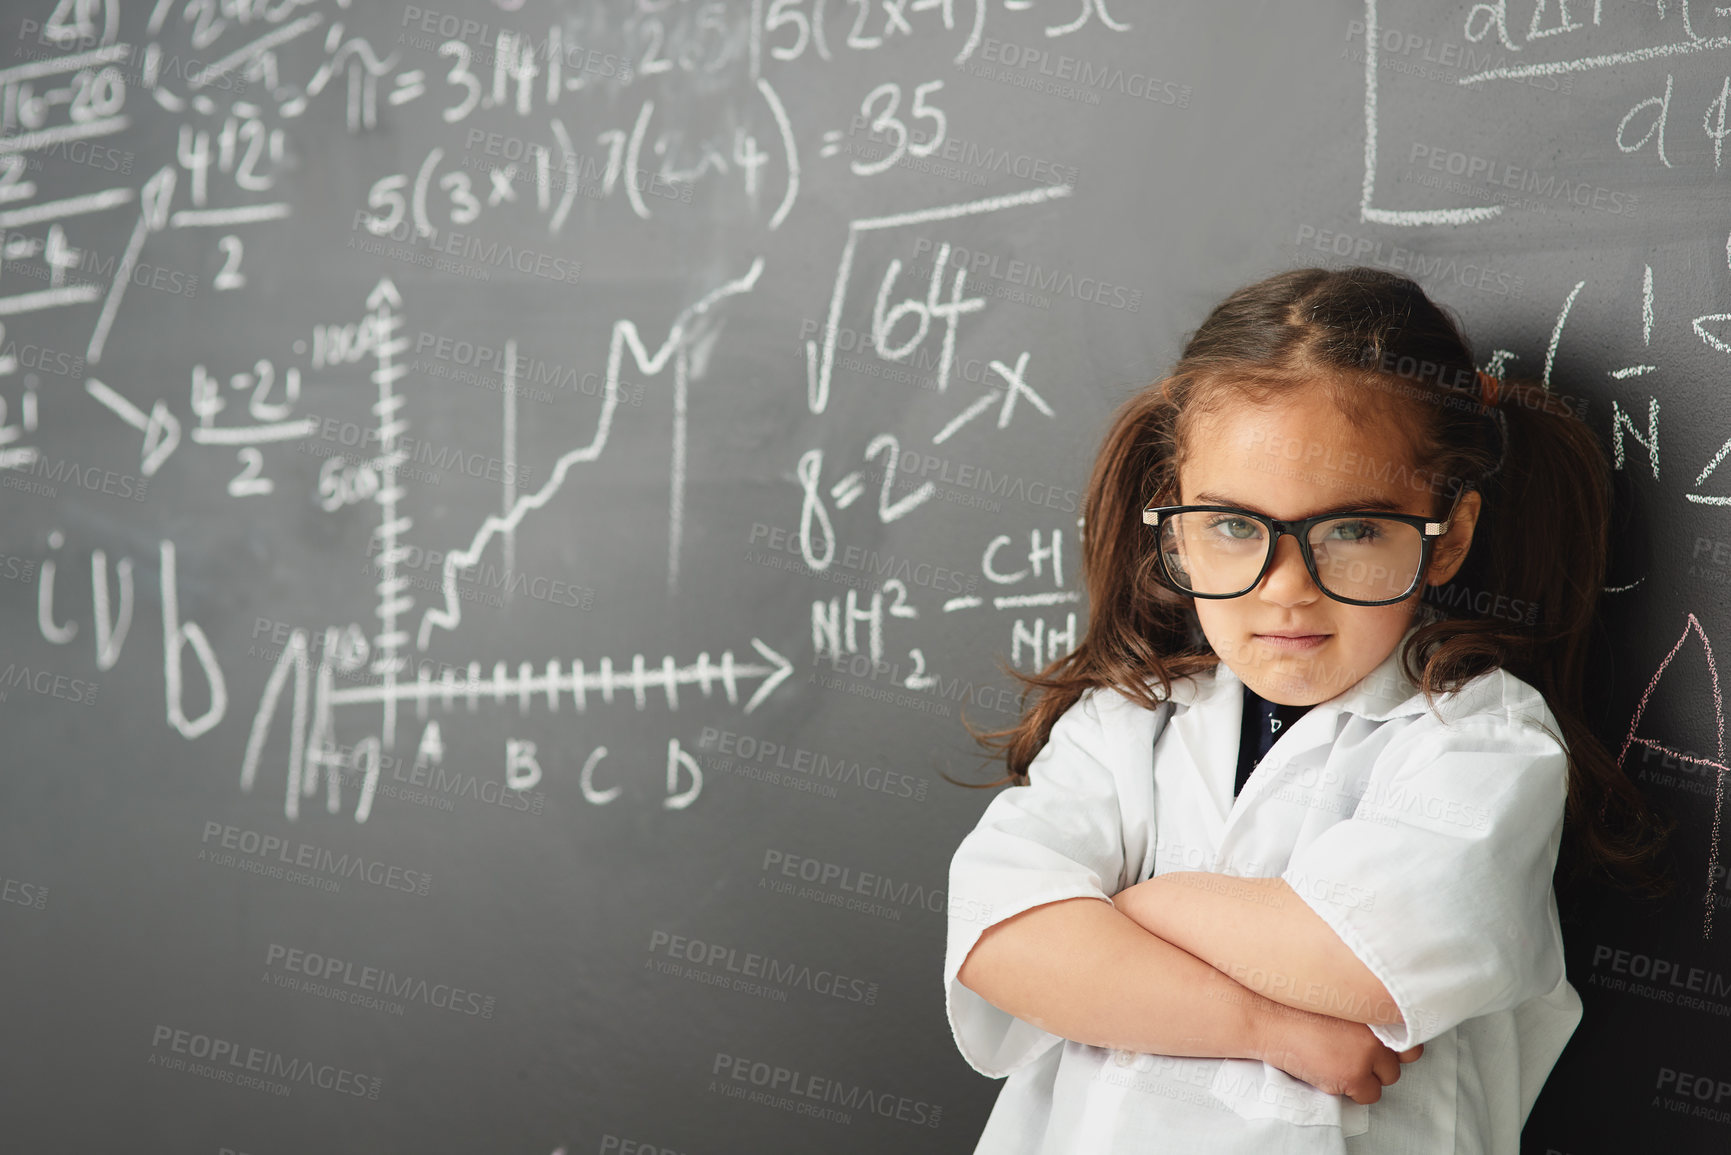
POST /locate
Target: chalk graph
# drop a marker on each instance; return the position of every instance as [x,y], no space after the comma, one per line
[315,695]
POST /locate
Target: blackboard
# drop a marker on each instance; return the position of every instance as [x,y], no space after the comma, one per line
[506,507]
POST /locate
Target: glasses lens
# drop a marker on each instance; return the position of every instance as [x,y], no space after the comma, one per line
[1368,559]
[1210,552]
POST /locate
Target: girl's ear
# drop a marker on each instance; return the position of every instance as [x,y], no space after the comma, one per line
[1451,548]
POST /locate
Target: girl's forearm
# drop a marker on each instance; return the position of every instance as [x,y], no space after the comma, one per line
[1260,933]
[1082,970]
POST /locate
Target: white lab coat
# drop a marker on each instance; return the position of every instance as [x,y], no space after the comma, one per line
[1427,843]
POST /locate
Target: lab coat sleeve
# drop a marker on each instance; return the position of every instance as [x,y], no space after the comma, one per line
[1058,837]
[1440,881]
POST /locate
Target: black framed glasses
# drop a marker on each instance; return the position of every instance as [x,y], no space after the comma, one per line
[1365,558]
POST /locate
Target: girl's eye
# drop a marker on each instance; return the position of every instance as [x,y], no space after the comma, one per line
[1241,528]
[1354,530]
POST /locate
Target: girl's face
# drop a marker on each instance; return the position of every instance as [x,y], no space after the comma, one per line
[1292,458]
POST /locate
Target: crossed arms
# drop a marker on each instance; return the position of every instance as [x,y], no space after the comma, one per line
[1200,964]
[1260,933]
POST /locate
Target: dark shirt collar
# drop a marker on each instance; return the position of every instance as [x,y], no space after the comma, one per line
[1261,723]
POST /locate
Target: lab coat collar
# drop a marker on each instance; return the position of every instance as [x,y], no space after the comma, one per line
[1386,692]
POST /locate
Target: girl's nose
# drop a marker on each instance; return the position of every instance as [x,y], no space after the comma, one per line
[1287,582]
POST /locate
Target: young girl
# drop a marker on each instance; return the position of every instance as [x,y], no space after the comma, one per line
[1275,874]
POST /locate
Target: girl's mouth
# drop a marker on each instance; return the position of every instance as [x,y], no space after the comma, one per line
[1294,642]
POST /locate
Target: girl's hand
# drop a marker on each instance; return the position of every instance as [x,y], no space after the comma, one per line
[1334,1055]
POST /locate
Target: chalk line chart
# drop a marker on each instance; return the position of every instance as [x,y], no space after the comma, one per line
[315,695]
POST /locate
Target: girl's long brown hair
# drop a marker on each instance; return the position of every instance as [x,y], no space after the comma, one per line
[1384,351]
